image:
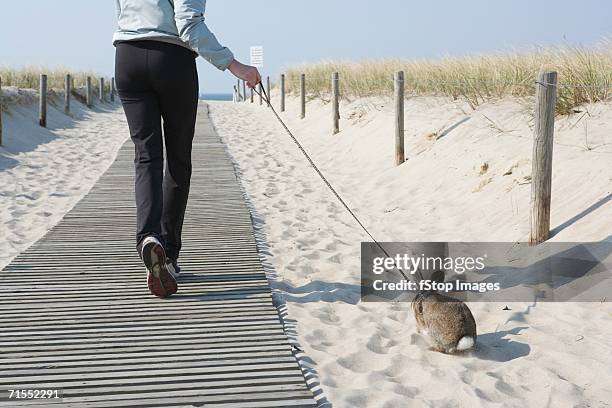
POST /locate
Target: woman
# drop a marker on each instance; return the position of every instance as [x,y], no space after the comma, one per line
[157,42]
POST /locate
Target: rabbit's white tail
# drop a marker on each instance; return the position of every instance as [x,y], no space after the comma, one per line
[465,343]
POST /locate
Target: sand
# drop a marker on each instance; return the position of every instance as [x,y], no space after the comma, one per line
[45,172]
[466,179]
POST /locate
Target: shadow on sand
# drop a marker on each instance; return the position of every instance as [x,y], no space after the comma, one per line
[495,347]
[579,216]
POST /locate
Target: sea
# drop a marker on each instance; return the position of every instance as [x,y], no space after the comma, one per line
[216,97]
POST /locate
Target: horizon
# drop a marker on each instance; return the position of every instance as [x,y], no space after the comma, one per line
[409,32]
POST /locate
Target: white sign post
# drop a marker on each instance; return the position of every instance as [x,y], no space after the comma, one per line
[257,56]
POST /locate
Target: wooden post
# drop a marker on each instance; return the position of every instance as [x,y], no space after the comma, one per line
[303,95]
[67,91]
[235,94]
[260,93]
[282,90]
[541,173]
[268,90]
[252,96]
[43,101]
[0,111]
[102,90]
[335,103]
[113,90]
[244,93]
[89,95]
[400,156]
[238,96]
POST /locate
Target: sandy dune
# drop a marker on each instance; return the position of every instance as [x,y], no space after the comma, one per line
[368,355]
[45,172]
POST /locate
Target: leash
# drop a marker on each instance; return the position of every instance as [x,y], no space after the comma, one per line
[266,98]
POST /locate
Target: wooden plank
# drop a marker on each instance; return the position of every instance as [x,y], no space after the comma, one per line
[294,403]
[183,389]
[241,401]
[123,305]
[66,367]
[139,351]
[152,373]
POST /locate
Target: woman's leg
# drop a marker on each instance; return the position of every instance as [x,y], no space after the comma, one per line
[142,109]
[176,81]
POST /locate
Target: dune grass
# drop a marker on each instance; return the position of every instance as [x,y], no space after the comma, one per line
[29,77]
[585,75]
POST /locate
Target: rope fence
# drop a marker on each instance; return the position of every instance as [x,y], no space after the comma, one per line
[106,92]
[546,98]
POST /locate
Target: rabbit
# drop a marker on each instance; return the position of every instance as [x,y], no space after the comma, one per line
[448,322]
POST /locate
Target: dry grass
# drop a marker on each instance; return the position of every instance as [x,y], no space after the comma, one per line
[585,75]
[29,77]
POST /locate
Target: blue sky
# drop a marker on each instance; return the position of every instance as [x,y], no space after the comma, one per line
[77,33]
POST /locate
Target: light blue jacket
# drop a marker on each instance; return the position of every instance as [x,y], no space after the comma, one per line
[175,21]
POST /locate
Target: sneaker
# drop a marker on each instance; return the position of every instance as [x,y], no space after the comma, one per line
[160,281]
[173,267]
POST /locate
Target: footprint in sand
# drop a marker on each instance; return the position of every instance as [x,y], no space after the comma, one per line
[380,345]
[331,247]
[319,340]
[306,270]
[359,399]
[327,315]
[357,362]
[287,235]
[398,365]
[336,258]
[312,256]
[405,390]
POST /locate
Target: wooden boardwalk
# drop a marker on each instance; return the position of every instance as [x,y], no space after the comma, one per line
[76,314]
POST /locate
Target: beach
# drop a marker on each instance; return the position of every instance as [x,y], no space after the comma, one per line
[314,205]
[466,178]
[44,172]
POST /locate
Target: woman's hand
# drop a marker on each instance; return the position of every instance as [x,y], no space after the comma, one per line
[246,73]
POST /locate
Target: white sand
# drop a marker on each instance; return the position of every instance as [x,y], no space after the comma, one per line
[368,355]
[45,172]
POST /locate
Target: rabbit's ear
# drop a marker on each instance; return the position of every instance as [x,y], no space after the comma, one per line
[417,304]
[437,276]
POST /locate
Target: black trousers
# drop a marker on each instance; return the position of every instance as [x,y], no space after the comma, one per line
[156,81]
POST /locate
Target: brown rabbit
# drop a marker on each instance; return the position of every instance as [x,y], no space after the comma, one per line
[447,321]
